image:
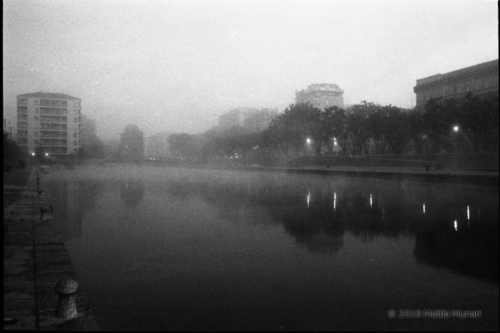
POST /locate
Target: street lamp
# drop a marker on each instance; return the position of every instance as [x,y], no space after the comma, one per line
[308,141]
[455,128]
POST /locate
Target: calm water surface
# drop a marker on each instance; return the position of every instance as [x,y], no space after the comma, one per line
[175,249]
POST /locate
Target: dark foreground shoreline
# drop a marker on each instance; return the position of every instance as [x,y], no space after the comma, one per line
[35,259]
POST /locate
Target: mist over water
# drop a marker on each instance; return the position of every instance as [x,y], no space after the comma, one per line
[192,249]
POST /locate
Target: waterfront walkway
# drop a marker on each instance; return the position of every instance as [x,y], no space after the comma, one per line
[35,259]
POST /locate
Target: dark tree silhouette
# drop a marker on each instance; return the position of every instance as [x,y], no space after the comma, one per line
[132,143]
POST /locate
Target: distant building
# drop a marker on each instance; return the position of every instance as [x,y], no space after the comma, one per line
[321,95]
[157,145]
[480,79]
[89,126]
[50,121]
[88,131]
[252,119]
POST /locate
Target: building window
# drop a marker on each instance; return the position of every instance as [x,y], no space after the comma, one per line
[36,142]
[36,118]
[36,133]
[36,102]
[22,101]
[75,135]
[75,120]
[75,143]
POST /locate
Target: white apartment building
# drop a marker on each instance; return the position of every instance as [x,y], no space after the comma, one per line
[50,121]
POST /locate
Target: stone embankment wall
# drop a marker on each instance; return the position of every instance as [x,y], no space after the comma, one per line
[35,261]
[486,161]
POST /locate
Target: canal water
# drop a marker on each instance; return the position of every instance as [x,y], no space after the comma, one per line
[187,249]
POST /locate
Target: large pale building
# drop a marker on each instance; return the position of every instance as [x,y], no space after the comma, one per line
[50,121]
[321,95]
[252,119]
[480,79]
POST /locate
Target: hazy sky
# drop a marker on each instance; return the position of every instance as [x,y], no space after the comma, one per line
[178,65]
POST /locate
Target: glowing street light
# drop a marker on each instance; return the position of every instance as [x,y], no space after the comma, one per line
[47,154]
[32,154]
[455,128]
[308,141]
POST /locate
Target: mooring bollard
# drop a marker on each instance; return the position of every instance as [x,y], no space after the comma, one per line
[66,305]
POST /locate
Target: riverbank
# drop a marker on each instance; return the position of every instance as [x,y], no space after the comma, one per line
[485,177]
[35,260]
[474,176]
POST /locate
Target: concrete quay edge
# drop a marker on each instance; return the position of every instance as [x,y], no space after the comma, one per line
[455,176]
[35,259]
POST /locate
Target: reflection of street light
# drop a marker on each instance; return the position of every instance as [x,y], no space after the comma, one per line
[455,129]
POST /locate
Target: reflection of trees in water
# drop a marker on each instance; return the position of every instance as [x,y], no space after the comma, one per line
[319,230]
[132,192]
[471,248]
[318,219]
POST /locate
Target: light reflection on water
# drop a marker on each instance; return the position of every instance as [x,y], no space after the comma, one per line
[196,250]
